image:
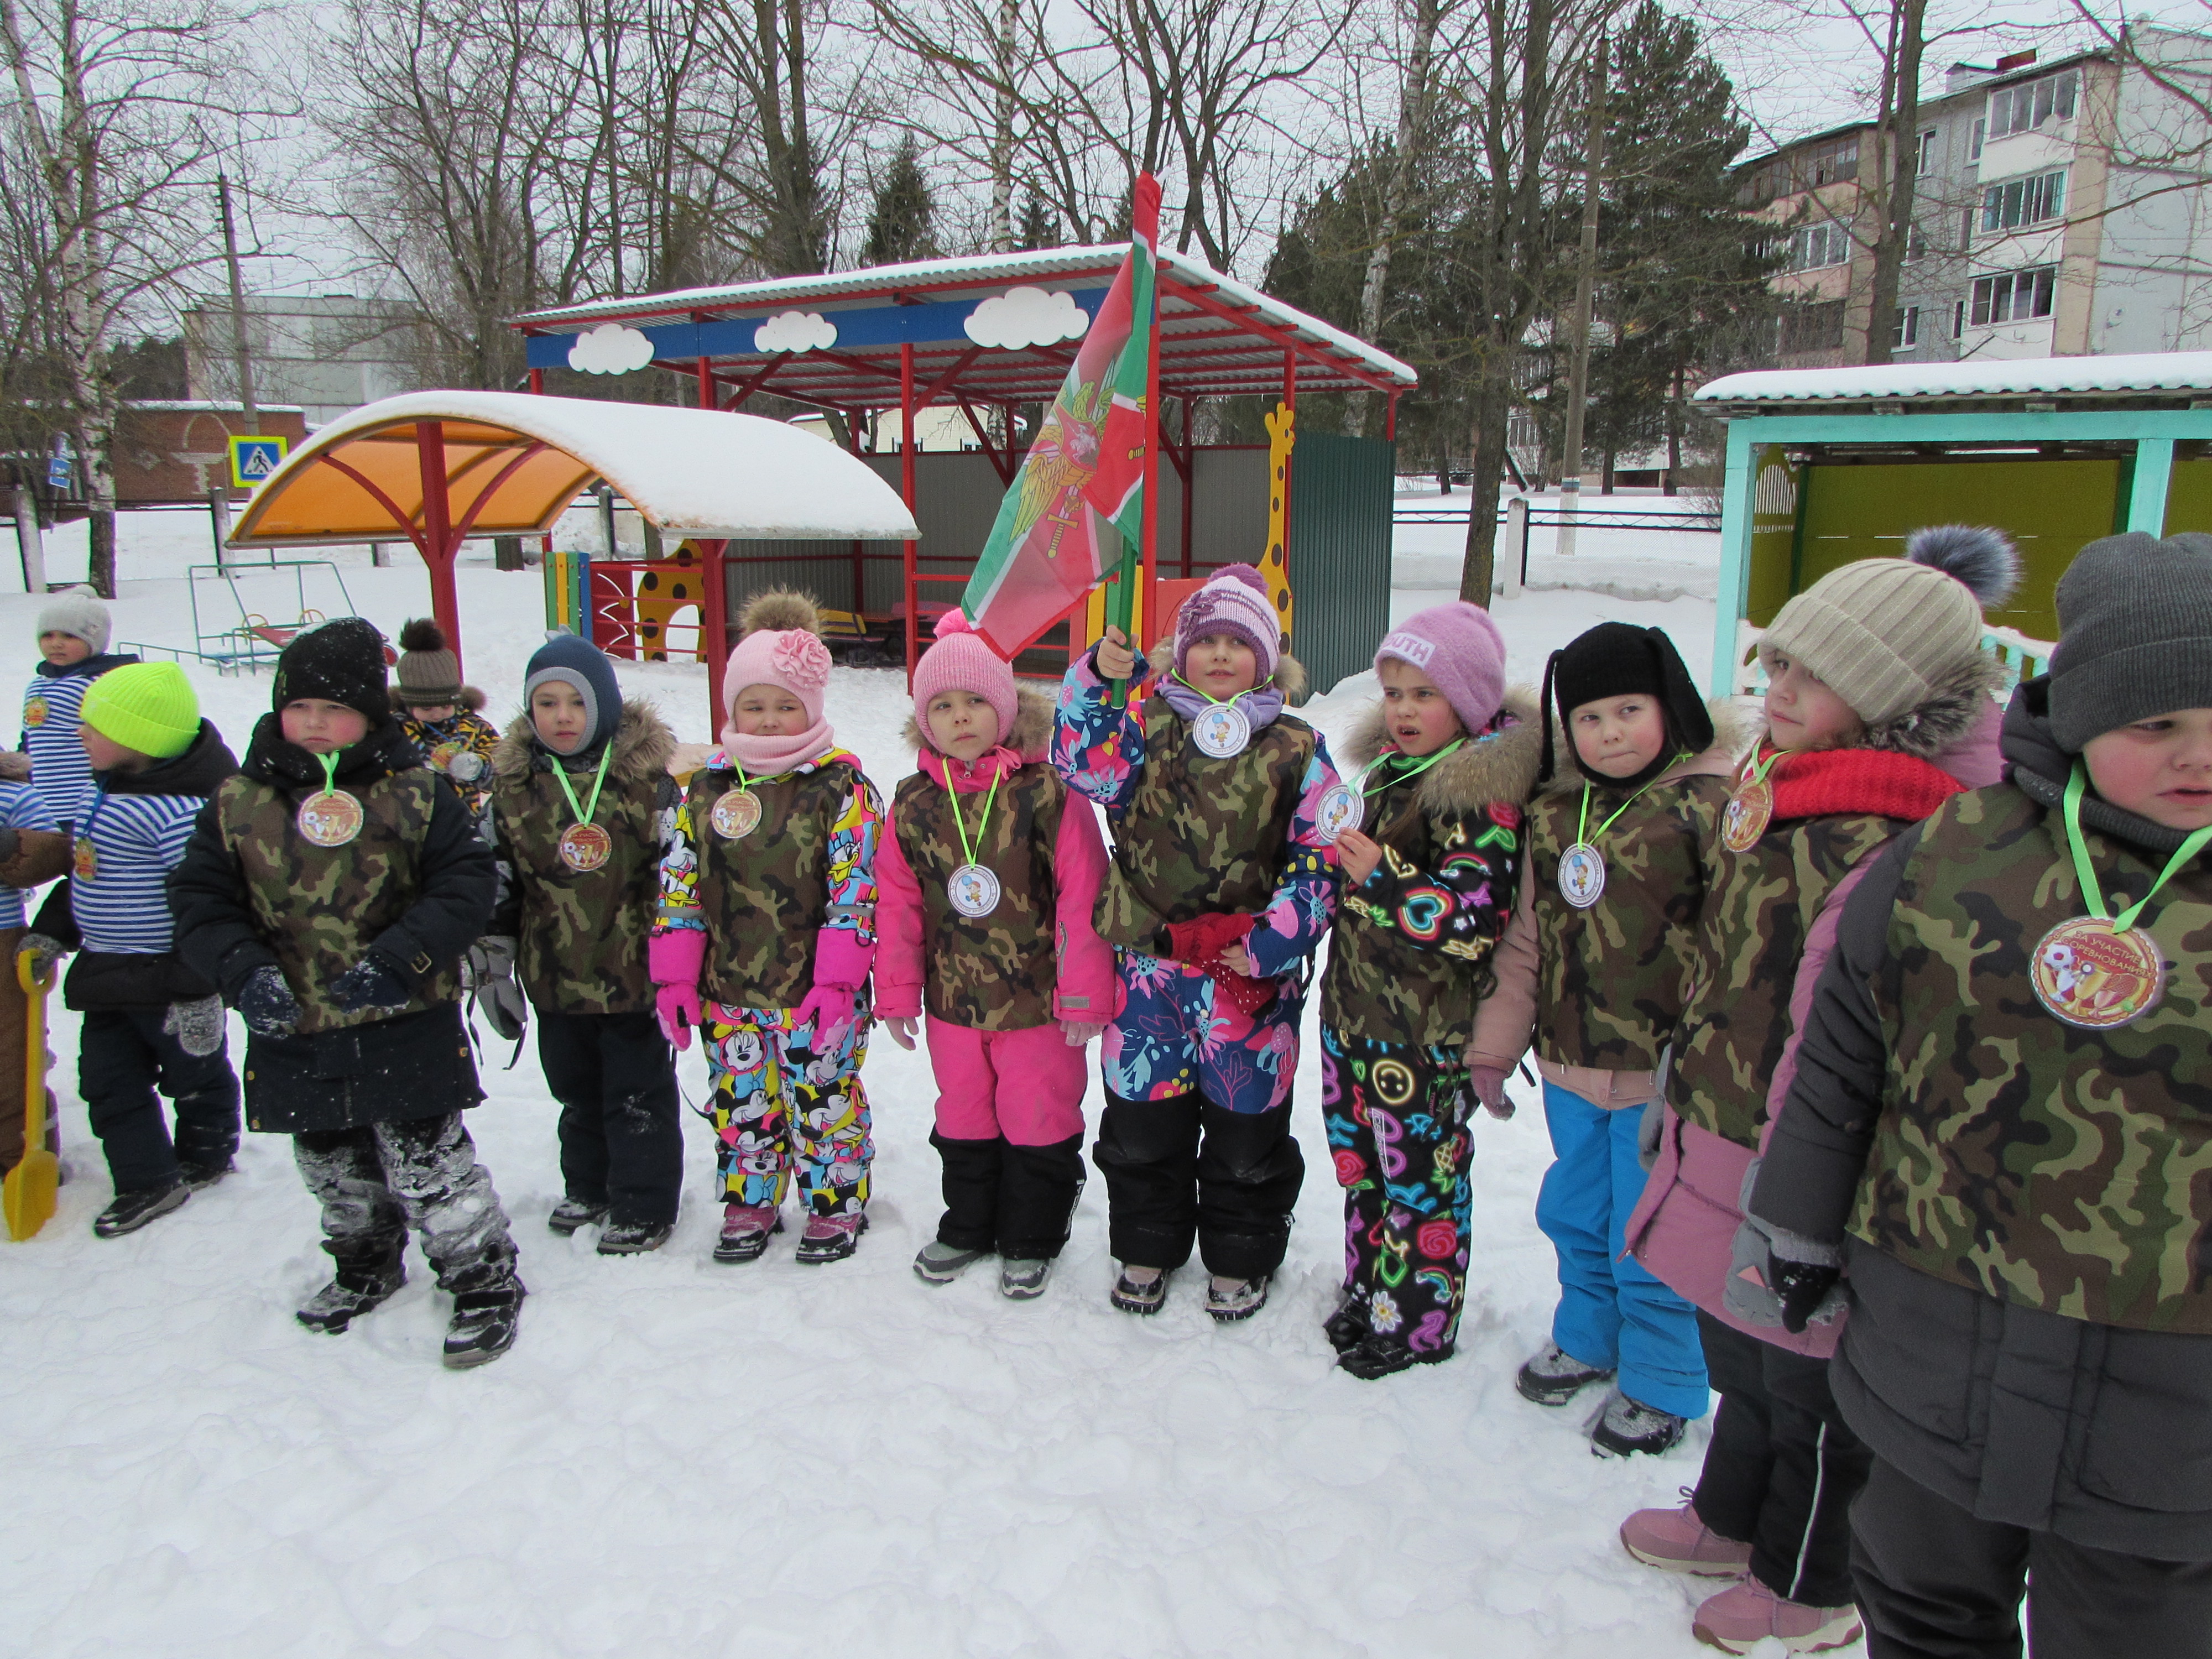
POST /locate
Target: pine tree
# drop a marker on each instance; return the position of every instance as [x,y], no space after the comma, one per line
[900,224]
[1039,227]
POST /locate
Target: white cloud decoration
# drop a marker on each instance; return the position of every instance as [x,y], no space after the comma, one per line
[795,331]
[1026,317]
[610,348]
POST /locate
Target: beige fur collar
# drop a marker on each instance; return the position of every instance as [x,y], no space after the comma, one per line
[642,744]
[1032,734]
[1501,768]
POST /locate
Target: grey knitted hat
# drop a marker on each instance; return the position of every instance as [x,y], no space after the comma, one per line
[1883,633]
[2135,634]
[80,613]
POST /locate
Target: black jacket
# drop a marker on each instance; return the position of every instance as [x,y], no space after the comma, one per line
[411,1066]
[117,979]
[2099,1434]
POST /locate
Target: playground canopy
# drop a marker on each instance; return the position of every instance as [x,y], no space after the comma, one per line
[438,467]
[1831,465]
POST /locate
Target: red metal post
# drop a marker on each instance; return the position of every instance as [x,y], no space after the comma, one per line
[1189,480]
[714,630]
[906,490]
[1390,420]
[438,542]
[538,382]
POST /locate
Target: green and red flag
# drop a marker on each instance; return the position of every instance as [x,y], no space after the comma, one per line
[1075,511]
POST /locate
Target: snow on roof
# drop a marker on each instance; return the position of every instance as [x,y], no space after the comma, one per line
[923,275]
[2153,372]
[690,471]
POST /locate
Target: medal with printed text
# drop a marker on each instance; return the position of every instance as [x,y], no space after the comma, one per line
[34,712]
[85,864]
[736,815]
[974,890]
[585,847]
[1342,807]
[330,817]
[2091,975]
[1748,814]
[1221,731]
[1582,875]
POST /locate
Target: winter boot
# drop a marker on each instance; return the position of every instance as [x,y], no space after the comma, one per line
[831,1237]
[939,1263]
[633,1237]
[571,1214]
[131,1211]
[1381,1356]
[1677,1540]
[1743,1615]
[1555,1376]
[1347,1328]
[356,1288]
[1231,1299]
[1140,1295]
[197,1175]
[745,1230]
[1022,1278]
[484,1325]
[1627,1427]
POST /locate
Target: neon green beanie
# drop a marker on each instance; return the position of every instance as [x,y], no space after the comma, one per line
[146,706]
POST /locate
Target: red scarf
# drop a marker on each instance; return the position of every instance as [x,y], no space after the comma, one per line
[1820,782]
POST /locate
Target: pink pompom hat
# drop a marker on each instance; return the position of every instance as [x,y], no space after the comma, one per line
[961,661]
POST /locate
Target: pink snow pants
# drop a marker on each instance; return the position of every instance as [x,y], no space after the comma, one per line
[1025,1085]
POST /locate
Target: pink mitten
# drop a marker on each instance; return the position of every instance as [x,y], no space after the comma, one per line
[675,960]
[1488,1084]
[841,981]
[677,1009]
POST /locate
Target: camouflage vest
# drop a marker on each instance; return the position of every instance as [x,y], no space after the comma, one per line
[1759,910]
[1609,983]
[321,908]
[584,933]
[1381,986]
[994,973]
[1201,835]
[2016,1154]
[766,895]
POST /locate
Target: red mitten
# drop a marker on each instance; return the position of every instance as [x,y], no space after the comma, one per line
[1200,942]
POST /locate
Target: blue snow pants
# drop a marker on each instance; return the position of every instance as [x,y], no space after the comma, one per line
[1611,1312]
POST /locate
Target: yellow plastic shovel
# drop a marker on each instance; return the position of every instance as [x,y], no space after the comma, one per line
[27,1196]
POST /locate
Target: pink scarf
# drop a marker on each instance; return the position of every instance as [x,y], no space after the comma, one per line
[771,757]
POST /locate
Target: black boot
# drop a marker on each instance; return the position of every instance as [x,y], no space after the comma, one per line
[1347,1328]
[359,1286]
[633,1237]
[484,1325]
[572,1215]
[131,1211]
[1385,1356]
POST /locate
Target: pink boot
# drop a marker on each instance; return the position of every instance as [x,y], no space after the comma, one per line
[745,1230]
[1679,1542]
[1743,1615]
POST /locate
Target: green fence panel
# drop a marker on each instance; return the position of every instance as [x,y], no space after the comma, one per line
[1341,492]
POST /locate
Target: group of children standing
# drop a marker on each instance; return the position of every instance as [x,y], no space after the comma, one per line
[1802,999]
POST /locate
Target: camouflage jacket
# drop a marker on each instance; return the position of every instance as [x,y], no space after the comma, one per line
[414,886]
[461,748]
[762,898]
[1194,836]
[582,935]
[1410,956]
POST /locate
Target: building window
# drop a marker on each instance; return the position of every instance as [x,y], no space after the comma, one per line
[1817,327]
[1925,161]
[2033,104]
[1816,247]
[2031,201]
[1828,162]
[1908,328]
[1974,145]
[2016,296]
[1916,244]
[1959,321]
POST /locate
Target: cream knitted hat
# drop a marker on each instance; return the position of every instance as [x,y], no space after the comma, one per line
[1881,632]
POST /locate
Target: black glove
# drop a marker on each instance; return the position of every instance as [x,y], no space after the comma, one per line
[488,970]
[267,1005]
[1801,1287]
[368,986]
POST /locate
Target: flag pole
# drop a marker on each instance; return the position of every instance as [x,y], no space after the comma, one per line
[1122,609]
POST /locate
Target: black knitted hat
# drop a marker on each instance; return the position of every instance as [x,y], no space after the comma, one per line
[2135,634]
[1618,659]
[341,661]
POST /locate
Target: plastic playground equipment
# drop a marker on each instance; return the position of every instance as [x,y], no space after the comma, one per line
[235,637]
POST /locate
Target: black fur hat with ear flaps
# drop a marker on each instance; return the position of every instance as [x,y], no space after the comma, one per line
[1618,659]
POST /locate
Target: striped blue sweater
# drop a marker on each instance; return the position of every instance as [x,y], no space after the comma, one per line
[58,765]
[21,808]
[126,845]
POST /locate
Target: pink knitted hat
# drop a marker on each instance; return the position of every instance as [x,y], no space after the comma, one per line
[1234,601]
[961,661]
[790,659]
[1459,648]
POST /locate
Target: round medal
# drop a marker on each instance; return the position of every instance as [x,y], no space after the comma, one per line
[974,890]
[1222,731]
[85,864]
[736,815]
[2092,976]
[1745,821]
[585,847]
[1342,807]
[330,818]
[464,766]
[34,712]
[1582,875]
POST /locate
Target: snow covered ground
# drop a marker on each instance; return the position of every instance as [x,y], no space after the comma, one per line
[683,1458]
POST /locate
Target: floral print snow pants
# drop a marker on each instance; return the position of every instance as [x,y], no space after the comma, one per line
[1398,1135]
[776,1105]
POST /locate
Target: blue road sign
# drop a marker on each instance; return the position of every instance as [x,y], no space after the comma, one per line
[252,460]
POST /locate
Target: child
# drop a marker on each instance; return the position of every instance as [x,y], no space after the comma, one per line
[439,714]
[1221,886]
[1874,673]
[1429,857]
[73,632]
[766,929]
[1999,1116]
[150,1021]
[985,915]
[580,793]
[1592,964]
[330,890]
[32,853]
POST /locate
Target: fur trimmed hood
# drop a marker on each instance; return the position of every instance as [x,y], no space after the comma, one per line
[1031,738]
[642,744]
[1502,767]
[471,699]
[1947,718]
[1734,729]
[1289,672]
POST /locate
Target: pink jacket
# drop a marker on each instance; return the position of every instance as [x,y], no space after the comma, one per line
[1086,988]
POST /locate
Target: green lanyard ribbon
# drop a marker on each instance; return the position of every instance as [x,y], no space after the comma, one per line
[1582,827]
[983,824]
[330,773]
[1367,788]
[2076,785]
[583,814]
[1758,769]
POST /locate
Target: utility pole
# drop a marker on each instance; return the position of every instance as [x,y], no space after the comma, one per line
[245,358]
[1571,480]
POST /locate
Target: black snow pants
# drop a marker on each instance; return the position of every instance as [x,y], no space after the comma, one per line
[1182,1169]
[622,1139]
[377,1180]
[124,1057]
[1016,1200]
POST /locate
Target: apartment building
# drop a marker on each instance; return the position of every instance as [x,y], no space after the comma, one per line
[327,354]
[2059,210]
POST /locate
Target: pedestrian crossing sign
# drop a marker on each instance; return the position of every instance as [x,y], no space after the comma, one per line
[252,460]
